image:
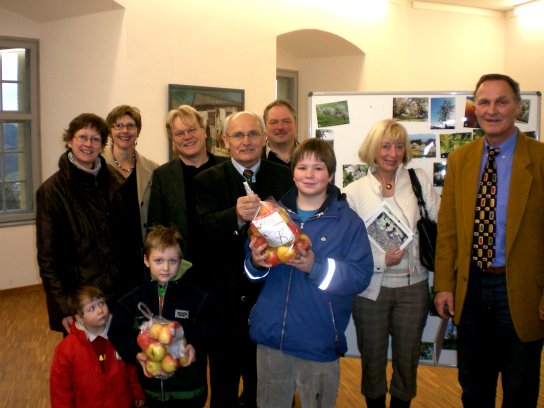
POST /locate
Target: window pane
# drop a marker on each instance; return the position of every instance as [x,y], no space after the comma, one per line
[285,88]
[9,97]
[14,79]
[12,199]
[19,129]
[13,136]
[10,60]
[14,167]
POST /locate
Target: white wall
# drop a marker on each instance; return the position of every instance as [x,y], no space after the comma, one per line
[96,62]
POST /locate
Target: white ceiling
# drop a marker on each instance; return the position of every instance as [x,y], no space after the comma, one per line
[500,5]
[42,11]
[48,10]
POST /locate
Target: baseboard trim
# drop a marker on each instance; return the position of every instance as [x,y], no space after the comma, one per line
[21,289]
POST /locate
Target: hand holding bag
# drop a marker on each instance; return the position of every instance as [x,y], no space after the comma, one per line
[426,227]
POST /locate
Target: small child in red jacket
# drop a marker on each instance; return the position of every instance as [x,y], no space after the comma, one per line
[86,370]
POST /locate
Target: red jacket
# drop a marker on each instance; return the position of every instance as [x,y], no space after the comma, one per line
[77,380]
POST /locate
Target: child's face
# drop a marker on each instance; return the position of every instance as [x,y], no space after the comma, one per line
[163,264]
[311,176]
[95,314]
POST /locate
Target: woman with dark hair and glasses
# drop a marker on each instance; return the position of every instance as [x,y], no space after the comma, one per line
[80,224]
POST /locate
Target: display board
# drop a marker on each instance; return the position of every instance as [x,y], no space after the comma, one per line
[437,123]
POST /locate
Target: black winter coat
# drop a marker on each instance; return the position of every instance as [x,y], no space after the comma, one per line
[197,312]
[80,220]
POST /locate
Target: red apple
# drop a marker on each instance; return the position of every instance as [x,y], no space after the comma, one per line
[174,324]
[260,240]
[272,258]
[155,330]
[144,339]
[286,252]
[153,367]
[155,351]
[165,335]
[253,231]
[303,241]
[169,363]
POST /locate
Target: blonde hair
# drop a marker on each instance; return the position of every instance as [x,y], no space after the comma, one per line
[372,143]
[187,114]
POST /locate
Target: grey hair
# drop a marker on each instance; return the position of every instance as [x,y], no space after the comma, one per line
[236,114]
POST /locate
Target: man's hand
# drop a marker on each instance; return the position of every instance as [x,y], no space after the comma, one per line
[247,207]
[443,302]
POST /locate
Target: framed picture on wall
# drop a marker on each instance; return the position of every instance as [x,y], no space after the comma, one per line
[214,104]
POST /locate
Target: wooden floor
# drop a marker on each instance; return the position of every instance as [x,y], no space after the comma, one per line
[27,346]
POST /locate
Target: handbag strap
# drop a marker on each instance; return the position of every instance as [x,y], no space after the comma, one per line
[416,186]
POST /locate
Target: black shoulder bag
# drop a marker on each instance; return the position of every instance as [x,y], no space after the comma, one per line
[425,226]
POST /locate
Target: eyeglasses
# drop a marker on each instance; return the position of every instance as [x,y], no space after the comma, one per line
[252,134]
[84,139]
[121,126]
[188,132]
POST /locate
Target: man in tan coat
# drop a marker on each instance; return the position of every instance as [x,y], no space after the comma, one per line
[499,308]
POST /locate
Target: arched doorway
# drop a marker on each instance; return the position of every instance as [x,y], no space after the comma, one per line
[324,62]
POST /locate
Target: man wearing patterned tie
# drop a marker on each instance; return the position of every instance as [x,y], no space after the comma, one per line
[495,294]
[224,212]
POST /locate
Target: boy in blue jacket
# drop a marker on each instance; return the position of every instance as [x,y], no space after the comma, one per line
[303,310]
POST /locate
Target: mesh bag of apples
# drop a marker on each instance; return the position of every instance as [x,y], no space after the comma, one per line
[163,343]
[273,225]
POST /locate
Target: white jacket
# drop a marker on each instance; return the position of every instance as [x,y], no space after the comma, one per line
[365,196]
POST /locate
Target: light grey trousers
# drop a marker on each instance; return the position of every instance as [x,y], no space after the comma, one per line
[278,374]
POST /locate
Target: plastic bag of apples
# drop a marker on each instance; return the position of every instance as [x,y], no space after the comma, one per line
[273,225]
[163,343]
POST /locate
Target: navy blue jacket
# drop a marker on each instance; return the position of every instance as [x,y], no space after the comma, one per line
[193,308]
[306,314]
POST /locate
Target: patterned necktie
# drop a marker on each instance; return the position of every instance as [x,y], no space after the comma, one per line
[248,175]
[483,243]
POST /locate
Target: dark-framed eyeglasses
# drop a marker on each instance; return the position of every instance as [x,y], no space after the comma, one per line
[121,126]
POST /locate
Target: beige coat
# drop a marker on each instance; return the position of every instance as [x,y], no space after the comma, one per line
[524,231]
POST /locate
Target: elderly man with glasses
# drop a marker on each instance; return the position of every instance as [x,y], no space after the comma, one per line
[224,212]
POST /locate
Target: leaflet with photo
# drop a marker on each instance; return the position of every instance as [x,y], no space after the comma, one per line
[386,230]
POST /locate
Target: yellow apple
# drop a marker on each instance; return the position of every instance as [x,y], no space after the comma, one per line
[153,367]
[169,363]
[155,351]
[155,330]
[165,335]
[286,252]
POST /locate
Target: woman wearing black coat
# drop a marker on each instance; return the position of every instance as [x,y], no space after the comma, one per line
[80,220]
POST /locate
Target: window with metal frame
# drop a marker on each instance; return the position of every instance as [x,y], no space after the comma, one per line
[19,129]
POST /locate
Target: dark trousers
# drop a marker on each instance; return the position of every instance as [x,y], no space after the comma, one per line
[234,356]
[487,344]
